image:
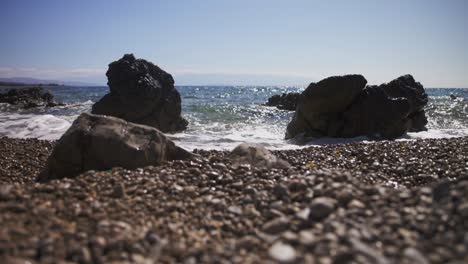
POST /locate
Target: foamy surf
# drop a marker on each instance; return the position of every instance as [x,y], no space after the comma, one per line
[222,117]
[47,127]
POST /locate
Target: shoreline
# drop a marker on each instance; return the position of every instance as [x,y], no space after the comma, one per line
[394,201]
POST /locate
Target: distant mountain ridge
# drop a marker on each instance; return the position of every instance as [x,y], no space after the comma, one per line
[33,81]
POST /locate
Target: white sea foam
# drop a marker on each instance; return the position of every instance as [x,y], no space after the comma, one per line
[214,136]
[222,117]
[438,133]
[46,127]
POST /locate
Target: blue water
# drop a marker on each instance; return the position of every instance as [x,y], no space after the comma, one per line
[222,116]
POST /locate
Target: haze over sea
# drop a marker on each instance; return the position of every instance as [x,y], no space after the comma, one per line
[220,117]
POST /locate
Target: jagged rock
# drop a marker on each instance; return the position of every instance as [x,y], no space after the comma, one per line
[96,142]
[406,87]
[389,110]
[256,155]
[332,95]
[286,101]
[343,107]
[28,97]
[375,112]
[320,104]
[141,92]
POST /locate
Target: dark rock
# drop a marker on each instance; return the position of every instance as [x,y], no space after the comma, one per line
[141,92]
[416,121]
[257,156]
[342,107]
[29,98]
[463,209]
[280,191]
[389,110]
[276,226]
[441,191]
[96,142]
[332,95]
[406,87]
[375,112]
[286,101]
[321,101]
[118,191]
[321,207]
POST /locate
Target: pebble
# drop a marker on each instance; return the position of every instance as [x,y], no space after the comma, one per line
[5,191]
[356,204]
[280,191]
[118,191]
[321,207]
[463,209]
[281,252]
[307,237]
[303,214]
[276,226]
[201,211]
[235,210]
[414,256]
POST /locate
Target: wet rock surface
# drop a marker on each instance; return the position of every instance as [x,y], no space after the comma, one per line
[28,98]
[142,93]
[385,202]
[285,101]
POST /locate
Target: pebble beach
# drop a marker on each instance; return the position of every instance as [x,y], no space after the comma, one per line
[380,202]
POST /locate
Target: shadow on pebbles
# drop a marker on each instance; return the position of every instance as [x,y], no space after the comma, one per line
[385,202]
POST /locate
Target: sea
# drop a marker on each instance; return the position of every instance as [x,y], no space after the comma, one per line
[221,117]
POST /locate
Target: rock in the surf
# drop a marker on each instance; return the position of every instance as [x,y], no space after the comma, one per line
[388,110]
[321,103]
[96,142]
[256,155]
[141,92]
[406,87]
[345,107]
[28,97]
[286,101]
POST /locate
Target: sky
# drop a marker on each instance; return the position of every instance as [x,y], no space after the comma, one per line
[242,42]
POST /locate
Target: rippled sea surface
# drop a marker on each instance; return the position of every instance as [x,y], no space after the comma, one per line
[221,117]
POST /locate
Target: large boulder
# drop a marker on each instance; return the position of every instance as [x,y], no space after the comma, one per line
[387,111]
[320,102]
[331,95]
[406,87]
[257,156]
[28,97]
[374,112]
[286,101]
[141,92]
[96,142]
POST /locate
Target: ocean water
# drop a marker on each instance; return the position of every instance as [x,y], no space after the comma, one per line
[220,117]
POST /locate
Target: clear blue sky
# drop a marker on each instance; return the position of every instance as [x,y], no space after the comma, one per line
[239,42]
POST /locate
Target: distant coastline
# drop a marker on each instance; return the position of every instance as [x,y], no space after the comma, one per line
[31,82]
[5,86]
[21,85]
